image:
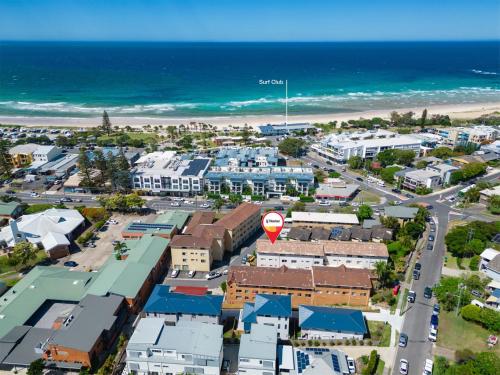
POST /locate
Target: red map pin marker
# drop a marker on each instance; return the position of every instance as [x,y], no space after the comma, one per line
[272,223]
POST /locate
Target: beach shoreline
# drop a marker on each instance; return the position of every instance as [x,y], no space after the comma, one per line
[455,111]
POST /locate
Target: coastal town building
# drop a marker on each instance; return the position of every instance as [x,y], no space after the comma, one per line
[486,194]
[490,263]
[305,255]
[257,354]
[285,129]
[312,361]
[329,323]
[269,310]
[52,230]
[166,225]
[22,155]
[247,157]
[186,348]
[444,170]
[61,167]
[265,181]
[365,144]
[402,213]
[314,219]
[174,306]
[421,178]
[10,210]
[317,286]
[204,241]
[167,173]
[478,134]
[335,190]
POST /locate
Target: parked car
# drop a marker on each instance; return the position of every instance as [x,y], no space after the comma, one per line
[408,195]
[431,238]
[396,191]
[428,367]
[418,266]
[10,192]
[412,295]
[430,247]
[359,179]
[434,321]
[476,293]
[325,203]
[65,199]
[351,365]
[175,273]
[226,271]
[403,366]
[403,340]
[427,292]
[436,309]
[395,290]
[213,275]
[191,273]
[70,263]
[244,259]
[433,334]
[416,274]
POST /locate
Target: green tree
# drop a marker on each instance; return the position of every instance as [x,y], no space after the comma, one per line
[447,292]
[364,212]
[106,123]
[442,152]
[100,164]
[421,164]
[472,195]
[23,253]
[245,134]
[494,204]
[384,274]
[390,222]
[319,175]
[414,230]
[235,199]
[355,162]
[292,146]
[5,164]
[387,157]
[218,203]
[404,157]
[423,119]
[186,142]
[120,248]
[85,169]
[387,174]
[474,247]
[172,132]
[36,367]
[299,206]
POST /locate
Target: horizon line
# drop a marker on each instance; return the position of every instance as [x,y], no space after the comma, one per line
[247,41]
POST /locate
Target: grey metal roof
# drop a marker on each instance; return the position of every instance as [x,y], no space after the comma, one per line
[260,343]
[92,316]
[24,353]
[401,212]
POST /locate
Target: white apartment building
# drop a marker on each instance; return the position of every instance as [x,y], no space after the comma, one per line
[167,173]
[367,144]
[44,154]
[187,348]
[257,355]
[305,255]
[421,178]
[478,134]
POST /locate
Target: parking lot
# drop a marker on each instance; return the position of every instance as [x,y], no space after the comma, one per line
[92,258]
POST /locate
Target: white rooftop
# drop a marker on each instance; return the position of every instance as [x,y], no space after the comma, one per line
[327,218]
[492,191]
[260,343]
[489,254]
[370,138]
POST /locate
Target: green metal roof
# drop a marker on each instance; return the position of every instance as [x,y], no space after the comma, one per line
[8,208]
[177,218]
[125,277]
[39,285]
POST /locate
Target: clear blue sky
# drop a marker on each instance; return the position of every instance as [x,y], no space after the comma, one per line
[250,20]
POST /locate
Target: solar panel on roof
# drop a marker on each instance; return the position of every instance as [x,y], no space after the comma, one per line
[335,362]
[145,226]
[195,167]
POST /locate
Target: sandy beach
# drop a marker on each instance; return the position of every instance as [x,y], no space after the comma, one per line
[463,111]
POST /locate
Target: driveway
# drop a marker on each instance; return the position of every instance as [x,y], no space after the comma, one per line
[93,258]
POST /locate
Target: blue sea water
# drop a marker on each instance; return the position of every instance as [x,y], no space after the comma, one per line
[213,79]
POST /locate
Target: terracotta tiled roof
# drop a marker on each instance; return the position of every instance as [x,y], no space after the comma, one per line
[321,248]
[271,277]
[237,216]
[199,217]
[341,276]
[209,230]
[191,242]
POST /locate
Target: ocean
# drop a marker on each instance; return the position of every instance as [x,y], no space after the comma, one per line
[81,79]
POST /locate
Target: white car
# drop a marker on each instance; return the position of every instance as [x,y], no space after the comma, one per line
[257,202]
[403,366]
[226,271]
[213,275]
[351,364]
[175,273]
[428,367]
[433,334]
[34,195]
[175,204]
[325,203]
[191,273]
[205,205]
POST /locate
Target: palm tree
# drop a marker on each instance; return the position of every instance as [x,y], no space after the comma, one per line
[120,248]
[383,273]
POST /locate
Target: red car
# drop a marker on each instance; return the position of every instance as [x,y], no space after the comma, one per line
[395,290]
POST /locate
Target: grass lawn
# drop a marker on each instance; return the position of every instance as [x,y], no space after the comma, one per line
[379,331]
[451,262]
[229,334]
[456,333]
[380,367]
[367,197]
[8,269]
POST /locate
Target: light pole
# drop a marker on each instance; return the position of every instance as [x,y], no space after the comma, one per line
[460,287]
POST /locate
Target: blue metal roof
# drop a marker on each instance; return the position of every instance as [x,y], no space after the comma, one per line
[248,315]
[496,293]
[163,301]
[332,319]
[273,305]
